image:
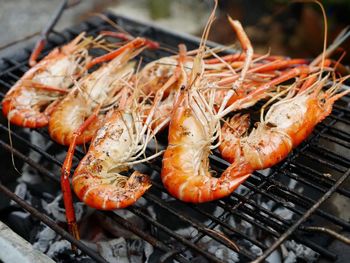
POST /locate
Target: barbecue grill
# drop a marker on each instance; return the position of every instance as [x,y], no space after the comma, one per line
[295,201]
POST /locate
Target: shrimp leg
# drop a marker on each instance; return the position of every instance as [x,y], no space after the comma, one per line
[65,174]
[134,44]
[38,85]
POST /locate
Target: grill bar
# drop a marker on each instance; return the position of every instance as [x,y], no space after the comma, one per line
[316,175]
[241,206]
[153,241]
[28,160]
[204,230]
[30,145]
[276,227]
[48,221]
[303,218]
[171,233]
[184,218]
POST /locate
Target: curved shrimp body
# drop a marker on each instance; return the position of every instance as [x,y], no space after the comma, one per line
[27,102]
[98,89]
[185,172]
[286,125]
[97,180]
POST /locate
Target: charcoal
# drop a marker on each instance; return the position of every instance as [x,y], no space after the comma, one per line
[222,252]
[136,250]
[44,238]
[340,248]
[301,251]
[61,252]
[114,251]
[116,230]
[56,209]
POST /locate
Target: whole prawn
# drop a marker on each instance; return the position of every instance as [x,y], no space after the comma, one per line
[30,101]
[287,123]
[117,145]
[194,128]
[80,114]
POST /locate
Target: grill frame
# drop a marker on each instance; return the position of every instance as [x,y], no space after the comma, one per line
[238,205]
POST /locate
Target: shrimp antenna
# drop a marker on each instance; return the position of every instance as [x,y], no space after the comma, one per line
[344,34]
[197,64]
[137,89]
[11,145]
[121,29]
[109,21]
[323,55]
[336,43]
[325,36]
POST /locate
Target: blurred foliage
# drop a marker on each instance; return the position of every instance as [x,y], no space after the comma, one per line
[326,3]
[337,10]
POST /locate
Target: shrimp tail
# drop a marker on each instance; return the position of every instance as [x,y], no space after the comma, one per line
[236,174]
[101,195]
[182,183]
[28,117]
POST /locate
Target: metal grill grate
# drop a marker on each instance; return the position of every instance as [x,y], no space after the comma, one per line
[326,151]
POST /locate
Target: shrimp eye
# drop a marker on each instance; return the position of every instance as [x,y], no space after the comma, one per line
[323,100]
[271,125]
[182,87]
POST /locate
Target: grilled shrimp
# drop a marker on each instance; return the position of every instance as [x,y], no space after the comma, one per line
[194,128]
[116,146]
[97,180]
[286,124]
[94,92]
[30,101]
[185,172]
[195,125]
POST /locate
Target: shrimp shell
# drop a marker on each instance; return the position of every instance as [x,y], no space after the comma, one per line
[185,172]
[91,92]
[30,101]
[287,123]
[97,181]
